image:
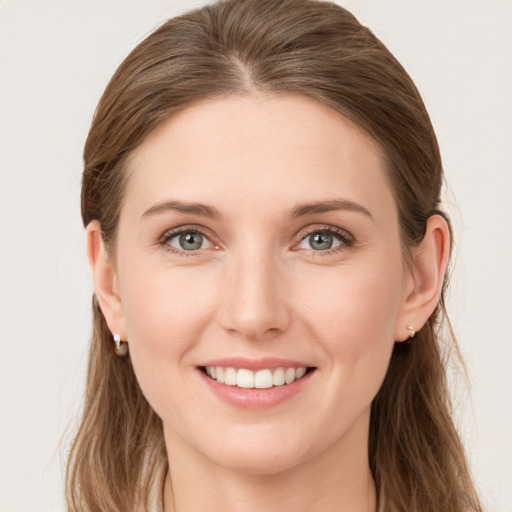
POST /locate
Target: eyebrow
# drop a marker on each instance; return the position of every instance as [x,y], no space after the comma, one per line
[199,209]
[203,210]
[329,206]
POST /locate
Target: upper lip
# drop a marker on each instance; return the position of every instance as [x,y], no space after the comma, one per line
[255,364]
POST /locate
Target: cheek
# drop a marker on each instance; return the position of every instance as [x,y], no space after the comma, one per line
[164,306]
[352,314]
[165,313]
[354,302]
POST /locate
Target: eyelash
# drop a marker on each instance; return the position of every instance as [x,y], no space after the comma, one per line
[346,239]
[169,235]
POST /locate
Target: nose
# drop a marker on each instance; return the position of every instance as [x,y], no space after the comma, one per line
[254,304]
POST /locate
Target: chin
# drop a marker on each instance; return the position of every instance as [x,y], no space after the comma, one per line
[259,462]
[261,454]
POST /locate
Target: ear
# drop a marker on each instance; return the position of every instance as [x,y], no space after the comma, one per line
[425,281]
[105,280]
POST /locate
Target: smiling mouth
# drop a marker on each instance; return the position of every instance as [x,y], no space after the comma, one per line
[261,379]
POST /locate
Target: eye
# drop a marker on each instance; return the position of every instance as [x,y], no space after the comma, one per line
[188,240]
[324,240]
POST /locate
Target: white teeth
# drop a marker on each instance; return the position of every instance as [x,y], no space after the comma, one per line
[245,378]
[230,377]
[289,376]
[299,372]
[262,379]
[278,377]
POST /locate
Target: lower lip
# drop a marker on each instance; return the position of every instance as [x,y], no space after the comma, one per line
[255,398]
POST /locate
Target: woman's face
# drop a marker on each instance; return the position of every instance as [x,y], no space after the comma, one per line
[259,236]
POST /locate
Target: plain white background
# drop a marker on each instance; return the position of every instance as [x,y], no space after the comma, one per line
[56,57]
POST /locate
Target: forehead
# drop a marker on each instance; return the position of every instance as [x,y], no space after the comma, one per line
[261,150]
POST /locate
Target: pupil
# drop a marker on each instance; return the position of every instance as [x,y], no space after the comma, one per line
[191,241]
[321,241]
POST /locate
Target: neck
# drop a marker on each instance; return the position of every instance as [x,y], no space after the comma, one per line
[339,479]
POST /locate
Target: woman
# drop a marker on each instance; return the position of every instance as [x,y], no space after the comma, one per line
[261,196]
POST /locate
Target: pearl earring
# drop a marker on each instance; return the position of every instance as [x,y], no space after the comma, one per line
[121,346]
[411,330]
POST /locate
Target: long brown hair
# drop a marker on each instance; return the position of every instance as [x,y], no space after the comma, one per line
[319,50]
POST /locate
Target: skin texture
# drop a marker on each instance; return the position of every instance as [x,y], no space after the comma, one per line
[257,288]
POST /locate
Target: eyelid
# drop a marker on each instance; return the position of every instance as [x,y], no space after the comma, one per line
[346,238]
[186,228]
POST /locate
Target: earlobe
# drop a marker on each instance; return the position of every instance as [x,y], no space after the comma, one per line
[428,269]
[105,279]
